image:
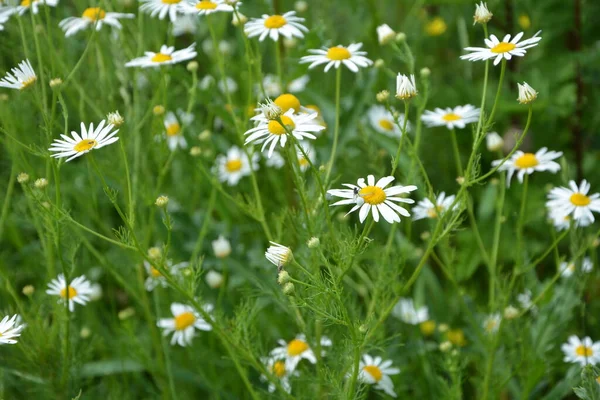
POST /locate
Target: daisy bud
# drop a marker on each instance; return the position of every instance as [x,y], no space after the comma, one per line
[443,328]
[22,178]
[400,37]
[46,205]
[313,242]
[28,290]
[40,183]
[494,181]
[445,346]
[195,151]
[270,110]
[279,255]
[382,96]
[425,72]
[204,135]
[406,87]
[425,235]
[482,14]
[460,180]
[85,332]
[289,289]
[300,6]
[214,279]
[115,119]
[289,43]
[427,328]
[524,21]
[596,243]
[154,253]
[494,141]
[385,34]
[221,247]
[95,292]
[3,97]
[283,278]
[511,312]
[379,63]
[158,110]
[161,201]
[526,93]
[238,19]
[126,313]
[56,82]
[363,328]
[192,66]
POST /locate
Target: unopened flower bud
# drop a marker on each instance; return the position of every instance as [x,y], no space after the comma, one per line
[126,313]
[383,96]
[192,66]
[400,37]
[158,110]
[526,93]
[494,141]
[40,183]
[289,289]
[28,290]
[443,328]
[115,118]
[161,201]
[379,63]
[205,135]
[300,6]
[214,279]
[221,247]
[511,312]
[406,88]
[460,180]
[385,34]
[313,242]
[238,19]
[85,332]
[56,82]
[482,14]
[283,277]
[154,253]
[22,178]
[425,72]
[445,346]
[195,151]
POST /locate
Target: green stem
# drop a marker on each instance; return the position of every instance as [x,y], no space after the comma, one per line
[336,132]
[496,242]
[40,63]
[521,222]
[7,197]
[205,224]
[402,139]
[500,81]
[459,168]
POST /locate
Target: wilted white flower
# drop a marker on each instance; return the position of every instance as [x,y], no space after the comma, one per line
[385,34]
[526,93]
[482,14]
[406,87]
[279,254]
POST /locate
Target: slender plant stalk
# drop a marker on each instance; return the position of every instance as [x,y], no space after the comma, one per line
[336,131]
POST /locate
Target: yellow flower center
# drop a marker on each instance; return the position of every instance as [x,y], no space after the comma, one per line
[503,47]
[155,273]
[94,14]
[170,1]
[451,117]
[173,129]
[598,380]
[571,267]
[374,371]
[275,22]
[303,162]
[436,27]
[386,124]
[373,195]
[490,325]
[584,351]
[435,211]
[28,82]
[524,21]
[296,347]
[580,199]
[275,127]
[206,5]
[233,165]
[184,320]
[527,160]
[27,3]
[338,53]
[287,101]
[457,337]
[160,57]
[427,327]
[72,292]
[85,145]
[279,369]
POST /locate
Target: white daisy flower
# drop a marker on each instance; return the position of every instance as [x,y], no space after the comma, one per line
[78,291]
[527,94]
[575,202]
[34,5]
[221,247]
[494,142]
[527,163]
[275,161]
[161,8]
[89,139]
[375,371]
[491,324]
[296,350]
[10,328]
[335,56]
[279,254]
[456,117]
[278,369]
[94,16]
[184,324]
[155,278]
[406,311]
[234,166]
[185,25]
[406,88]
[581,352]
[383,121]
[562,222]
[173,132]
[568,269]
[272,133]
[385,34]
[375,197]
[286,25]
[428,209]
[501,49]
[204,7]
[20,77]
[525,301]
[310,152]
[166,56]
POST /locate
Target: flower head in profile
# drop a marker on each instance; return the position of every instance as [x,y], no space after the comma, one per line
[270,110]
[406,311]
[20,77]
[383,121]
[221,247]
[406,88]
[374,371]
[582,352]
[173,132]
[78,291]
[574,202]
[81,143]
[156,278]
[186,319]
[10,328]
[482,14]
[93,16]
[277,368]
[385,34]
[457,117]
[433,209]
[162,8]
[234,165]
[568,269]
[494,142]
[335,56]
[166,56]
[527,163]
[279,254]
[274,26]
[491,323]
[205,7]
[505,49]
[375,198]
[296,350]
[527,94]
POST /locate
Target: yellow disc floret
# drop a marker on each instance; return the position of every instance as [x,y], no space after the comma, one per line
[338,53]
[372,195]
[184,320]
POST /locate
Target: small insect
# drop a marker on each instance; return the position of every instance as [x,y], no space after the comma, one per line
[358,198]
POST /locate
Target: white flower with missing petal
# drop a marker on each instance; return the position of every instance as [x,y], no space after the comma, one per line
[406,311]
[376,198]
[78,291]
[296,350]
[350,56]
[526,93]
[186,319]
[10,328]
[162,8]
[80,144]
[504,49]
[457,117]
[279,254]
[20,77]
[166,56]
[428,209]
[234,165]
[528,163]
[375,371]
[94,16]
[273,26]
[574,202]
[406,88]
[582,352]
